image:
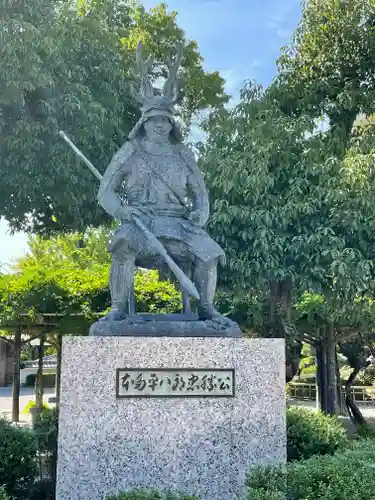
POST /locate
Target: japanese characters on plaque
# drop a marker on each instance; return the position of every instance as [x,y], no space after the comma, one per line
[184,382]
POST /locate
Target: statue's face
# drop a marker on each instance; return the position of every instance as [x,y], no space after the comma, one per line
[158,128]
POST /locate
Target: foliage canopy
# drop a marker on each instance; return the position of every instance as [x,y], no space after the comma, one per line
[68,65]
[68,275]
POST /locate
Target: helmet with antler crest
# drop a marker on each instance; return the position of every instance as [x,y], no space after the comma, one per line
[152,103]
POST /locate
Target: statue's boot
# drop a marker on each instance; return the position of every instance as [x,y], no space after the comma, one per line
[120,284]
[205,279]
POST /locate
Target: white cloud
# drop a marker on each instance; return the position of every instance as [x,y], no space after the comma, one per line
[196,134]
[323,124]
[284,33]
[11,246]
[233,79]
[279,20]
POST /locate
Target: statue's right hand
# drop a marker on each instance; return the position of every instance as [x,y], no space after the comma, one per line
[126,214]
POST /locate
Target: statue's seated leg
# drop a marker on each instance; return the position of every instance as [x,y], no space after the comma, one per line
[183,257]
[205,279]
[186,305]
[120,283]
[127,245]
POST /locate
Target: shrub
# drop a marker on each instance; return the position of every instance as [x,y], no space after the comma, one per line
[31,404]
[141,494]
[267,483]
[347,474]
[308,370]
[3,494]
[30,380]
[267,495]
[366,431]
[49,380]
[42,490]
[46,429]
[18,468]
[366,377]
[312,433]
[287,390]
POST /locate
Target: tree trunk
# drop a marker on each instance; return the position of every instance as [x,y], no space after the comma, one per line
[39,389]
[321,352]
[58,369]
[340,398]
[354,412]
[279,313]
[326,373]
[16,376]
[320,370]
[355,352]
[280,306]
[331,373]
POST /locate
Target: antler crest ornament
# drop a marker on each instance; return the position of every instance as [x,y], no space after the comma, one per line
[146,94]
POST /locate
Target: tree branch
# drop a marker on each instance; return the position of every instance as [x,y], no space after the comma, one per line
[309,339]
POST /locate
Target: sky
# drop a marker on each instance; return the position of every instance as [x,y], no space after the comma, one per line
[239,38]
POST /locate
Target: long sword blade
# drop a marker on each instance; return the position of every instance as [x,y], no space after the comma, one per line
[184,281]
[81,155]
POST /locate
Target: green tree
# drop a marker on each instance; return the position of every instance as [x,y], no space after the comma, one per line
[359,352]
[61,287]
[328,323]
[69,65]
[290,214]
[328,69]
[66,278]
[294,206]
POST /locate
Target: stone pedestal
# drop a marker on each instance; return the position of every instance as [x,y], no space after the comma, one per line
[164,325]
[113,437]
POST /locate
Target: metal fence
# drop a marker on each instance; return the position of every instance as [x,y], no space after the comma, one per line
[361,394]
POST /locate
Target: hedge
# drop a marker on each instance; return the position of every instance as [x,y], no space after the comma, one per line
[312,433]
[49,380]
[3,494]
[146,494]
[18,466]
[347,474]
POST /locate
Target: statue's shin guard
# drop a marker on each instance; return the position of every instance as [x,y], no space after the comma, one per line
[121,279]
[205,279]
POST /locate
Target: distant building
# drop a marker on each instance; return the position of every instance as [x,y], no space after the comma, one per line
[31,367]
[6,362]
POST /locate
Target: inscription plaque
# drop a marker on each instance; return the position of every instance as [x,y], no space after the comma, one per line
[174,382]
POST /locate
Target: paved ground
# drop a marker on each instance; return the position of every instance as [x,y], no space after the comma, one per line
[28,394]
[367,411]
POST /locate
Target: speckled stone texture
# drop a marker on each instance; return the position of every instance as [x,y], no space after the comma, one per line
[202,446]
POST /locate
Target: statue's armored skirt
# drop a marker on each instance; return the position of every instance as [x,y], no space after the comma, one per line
[166,215]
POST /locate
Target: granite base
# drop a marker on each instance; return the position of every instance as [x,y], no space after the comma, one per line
[202,446]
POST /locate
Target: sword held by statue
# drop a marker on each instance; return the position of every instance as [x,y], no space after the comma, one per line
[185,282]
